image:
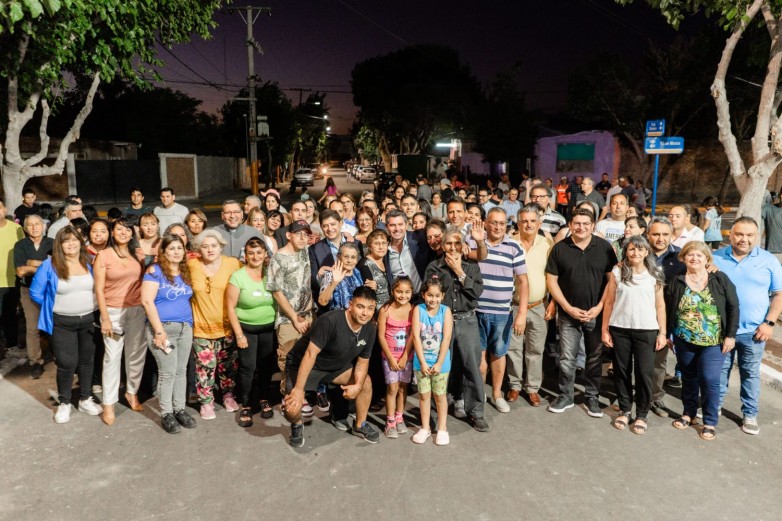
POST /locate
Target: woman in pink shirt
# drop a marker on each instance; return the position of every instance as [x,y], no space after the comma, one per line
[118,275]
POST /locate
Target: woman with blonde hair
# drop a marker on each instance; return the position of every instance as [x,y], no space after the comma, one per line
[703,315]
[213,342]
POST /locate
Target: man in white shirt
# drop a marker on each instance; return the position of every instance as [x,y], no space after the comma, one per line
[614,228]
[683,230]
[171,212]
[71,210]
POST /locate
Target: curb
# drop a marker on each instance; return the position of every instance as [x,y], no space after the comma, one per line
[771,377]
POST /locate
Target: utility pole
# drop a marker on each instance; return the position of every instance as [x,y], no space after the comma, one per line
[250,15]
[300,91]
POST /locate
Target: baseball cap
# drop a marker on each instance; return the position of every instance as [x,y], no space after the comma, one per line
[297,226]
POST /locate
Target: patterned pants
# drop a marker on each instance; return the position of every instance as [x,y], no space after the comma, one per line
[215,358]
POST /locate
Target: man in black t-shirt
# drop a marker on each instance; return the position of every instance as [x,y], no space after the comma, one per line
[335,352]
[576,276]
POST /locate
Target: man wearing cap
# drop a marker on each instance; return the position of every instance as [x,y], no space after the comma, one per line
[289,284]
[233,231]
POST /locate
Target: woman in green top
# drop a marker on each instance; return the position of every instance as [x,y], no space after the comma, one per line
[251,311]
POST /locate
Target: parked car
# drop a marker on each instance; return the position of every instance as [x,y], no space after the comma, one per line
[303,177]
[367,175]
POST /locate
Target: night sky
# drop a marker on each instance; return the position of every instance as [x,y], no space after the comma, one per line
[314,44]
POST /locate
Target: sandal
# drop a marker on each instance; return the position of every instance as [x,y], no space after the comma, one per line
[683,422]
[246,417]
[621,421]
[266,409]
[708,433]
[639,426]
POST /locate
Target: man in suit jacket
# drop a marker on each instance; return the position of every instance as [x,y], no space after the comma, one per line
[324,252]
[408,252]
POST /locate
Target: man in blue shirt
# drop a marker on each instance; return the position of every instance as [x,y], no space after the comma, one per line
[756,274]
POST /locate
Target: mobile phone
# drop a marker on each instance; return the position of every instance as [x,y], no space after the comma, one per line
[168,347]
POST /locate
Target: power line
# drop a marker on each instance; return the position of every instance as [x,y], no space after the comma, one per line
[188,67]
[373,22]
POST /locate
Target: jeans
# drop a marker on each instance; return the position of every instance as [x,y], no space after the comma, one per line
[570,333]
[73,346]
[257,360]
[701,370]
[172,367]
[634,354]
[495,333]
[749,353]
[526,352]
[466,380]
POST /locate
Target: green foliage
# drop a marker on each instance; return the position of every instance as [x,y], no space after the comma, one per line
[727,12]
[410,94]
[365,142]
[271,102]
[42,39]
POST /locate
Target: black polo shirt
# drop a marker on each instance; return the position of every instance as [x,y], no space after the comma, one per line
[24,250]
[582,273]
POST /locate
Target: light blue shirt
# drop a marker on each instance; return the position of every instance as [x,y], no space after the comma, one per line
[754,276]
[402,262]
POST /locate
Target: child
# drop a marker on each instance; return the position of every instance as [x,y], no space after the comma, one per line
[712,224]
[393,323]
[432,329]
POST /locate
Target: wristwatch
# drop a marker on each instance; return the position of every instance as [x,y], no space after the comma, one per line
[770,323]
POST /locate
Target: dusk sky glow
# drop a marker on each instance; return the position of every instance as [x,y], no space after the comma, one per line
[314,44]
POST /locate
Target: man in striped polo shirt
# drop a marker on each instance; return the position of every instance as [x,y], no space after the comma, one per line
[551,221]
[503,267]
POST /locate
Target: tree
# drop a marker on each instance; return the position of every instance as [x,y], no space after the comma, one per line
[503,129]
[45,41]
[735,16]
[412,94]
[178,124]
[669,84]
[365,143]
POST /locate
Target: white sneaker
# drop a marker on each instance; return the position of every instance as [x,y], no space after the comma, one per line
[88,406]
[63,414]
[501,404]
[306,410]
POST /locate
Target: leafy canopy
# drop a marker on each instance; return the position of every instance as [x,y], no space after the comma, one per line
[40,39]
[727,11]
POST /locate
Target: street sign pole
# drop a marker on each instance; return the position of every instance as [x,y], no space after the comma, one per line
[654,186]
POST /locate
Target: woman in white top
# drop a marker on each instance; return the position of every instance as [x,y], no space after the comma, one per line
[63,287]
[632,330]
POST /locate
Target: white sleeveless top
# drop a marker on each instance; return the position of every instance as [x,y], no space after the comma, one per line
[634,306]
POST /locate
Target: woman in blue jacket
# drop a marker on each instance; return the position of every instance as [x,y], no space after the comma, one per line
[64,288]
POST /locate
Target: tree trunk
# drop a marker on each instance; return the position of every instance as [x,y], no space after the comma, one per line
[754,190]
[13,183]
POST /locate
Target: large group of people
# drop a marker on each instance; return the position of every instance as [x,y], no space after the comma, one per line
[435,289]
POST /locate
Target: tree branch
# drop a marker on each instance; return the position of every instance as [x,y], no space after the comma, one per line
[70,137]
[720,95]
[44,148]
[760,146]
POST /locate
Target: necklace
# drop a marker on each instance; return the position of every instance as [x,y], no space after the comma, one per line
[697,282]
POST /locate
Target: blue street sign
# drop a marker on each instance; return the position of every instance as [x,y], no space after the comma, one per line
[655,127]
[664,145]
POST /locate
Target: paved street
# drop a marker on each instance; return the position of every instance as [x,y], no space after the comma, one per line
[532,465]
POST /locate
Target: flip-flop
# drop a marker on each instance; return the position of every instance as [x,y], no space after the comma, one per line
[708,433]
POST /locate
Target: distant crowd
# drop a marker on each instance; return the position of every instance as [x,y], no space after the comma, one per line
[454,291]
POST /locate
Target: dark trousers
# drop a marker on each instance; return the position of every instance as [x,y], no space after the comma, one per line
[9,303]
[74,348]
[465,379]
[701,371]
[257,363]
[634,354]
[570,333]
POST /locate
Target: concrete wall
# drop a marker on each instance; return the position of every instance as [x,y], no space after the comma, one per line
[606,154]
[217,174]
